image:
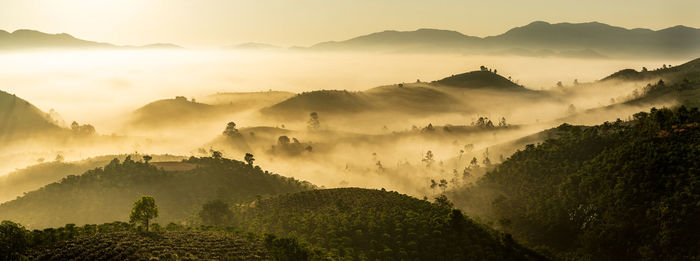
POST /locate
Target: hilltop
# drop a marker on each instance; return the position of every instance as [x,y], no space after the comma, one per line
[479,80]
[173,112]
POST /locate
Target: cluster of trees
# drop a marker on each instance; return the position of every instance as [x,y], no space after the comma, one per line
[485,122]
[75,198]
[82,130]
[363,224]
[293,147]
[616,191]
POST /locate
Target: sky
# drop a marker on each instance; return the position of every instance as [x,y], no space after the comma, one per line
[217,23]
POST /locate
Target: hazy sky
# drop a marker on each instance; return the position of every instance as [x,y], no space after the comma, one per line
[215,23]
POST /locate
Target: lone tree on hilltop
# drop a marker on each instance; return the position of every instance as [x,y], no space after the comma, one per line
[143,211]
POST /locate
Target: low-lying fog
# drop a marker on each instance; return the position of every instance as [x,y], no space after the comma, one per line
[103,88]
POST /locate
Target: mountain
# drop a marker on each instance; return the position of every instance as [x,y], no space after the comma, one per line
[107,194]
[367,224]
[616,191]
[19,118]
[421,39]
[30,39]
[253,46]
[323,101]
[590,40]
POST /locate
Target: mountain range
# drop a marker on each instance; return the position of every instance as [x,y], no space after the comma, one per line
[539,38]
[31,39]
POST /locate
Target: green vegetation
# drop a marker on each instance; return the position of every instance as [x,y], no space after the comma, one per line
[354,223]
[106,194]
[123,241]
[616,191]
[144,210]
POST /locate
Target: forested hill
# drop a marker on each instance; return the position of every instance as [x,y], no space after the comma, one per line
[106,194]
[616,191]
[365,224]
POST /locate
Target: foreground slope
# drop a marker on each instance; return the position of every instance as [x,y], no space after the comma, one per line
[617,191]
[106,194]
[370,224]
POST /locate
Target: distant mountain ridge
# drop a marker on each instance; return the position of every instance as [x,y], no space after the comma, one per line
[31,39]
[536,38]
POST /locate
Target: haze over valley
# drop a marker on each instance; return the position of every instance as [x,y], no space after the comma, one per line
[546,141]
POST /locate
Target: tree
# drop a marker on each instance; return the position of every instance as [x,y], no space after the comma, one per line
[215,154]
[571,109]
[502,122]
[314,123]
[13,240]
[428,160]
[575,81]
[474,164]
[249,159]
[559,84]
[230,129]
[283,140]
[216,213]
[59,158]
[143,211]
[147,158]
[443,185]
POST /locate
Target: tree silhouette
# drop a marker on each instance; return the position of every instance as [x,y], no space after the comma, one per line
[143,211]
[230,129]
[428,160]
[249,159]
[314,123]
[283,140]
[147,158]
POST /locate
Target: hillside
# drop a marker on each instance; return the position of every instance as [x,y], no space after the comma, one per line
[678,83]
[583,40]
[15,183]
[19,118]
[616,191]
[354,223]
[479,80]
[173,112]
[106,194]
[30,39]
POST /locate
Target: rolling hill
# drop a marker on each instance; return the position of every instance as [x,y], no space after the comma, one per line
[31,39]
[173,112]
[480,80]
[15,183]
[354,223]
[538,38]
[106,194]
